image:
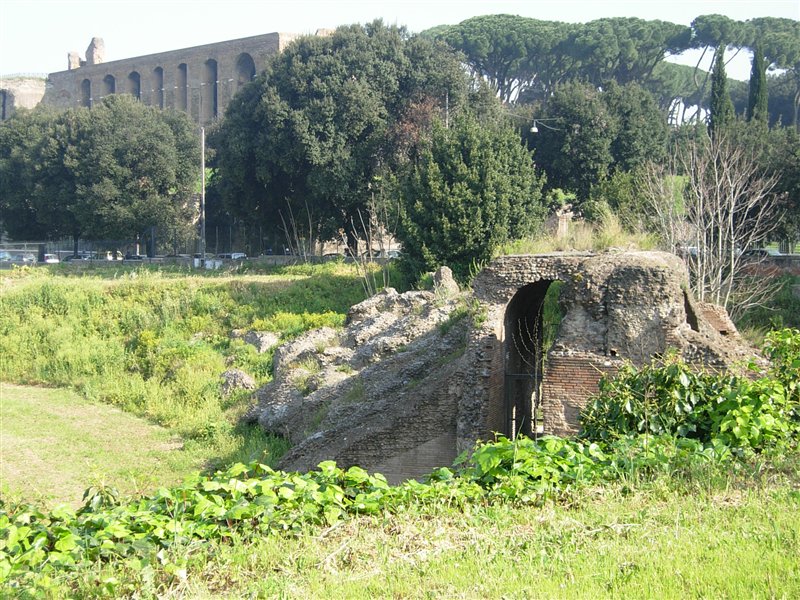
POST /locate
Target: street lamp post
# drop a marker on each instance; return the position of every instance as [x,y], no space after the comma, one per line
[203,197]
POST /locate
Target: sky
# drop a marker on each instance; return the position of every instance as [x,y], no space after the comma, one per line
[36,35]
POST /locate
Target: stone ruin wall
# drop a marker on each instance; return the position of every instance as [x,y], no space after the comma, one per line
[620,306]
[200,80]
[426,393]
[19,92]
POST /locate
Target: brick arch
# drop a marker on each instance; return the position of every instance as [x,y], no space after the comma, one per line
[529,328]
[86,93]
[135,85]
[513,289]
[245,69]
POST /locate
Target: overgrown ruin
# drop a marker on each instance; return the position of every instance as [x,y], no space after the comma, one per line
[416,378]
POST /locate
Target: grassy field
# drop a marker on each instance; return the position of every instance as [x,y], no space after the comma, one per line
[734,536]
[154,342]
[55,444]
[613,543]
[137,355]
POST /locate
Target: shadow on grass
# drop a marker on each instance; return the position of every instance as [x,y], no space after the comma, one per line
[250,444]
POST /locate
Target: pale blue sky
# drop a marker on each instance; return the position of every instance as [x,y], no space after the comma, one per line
[36,35]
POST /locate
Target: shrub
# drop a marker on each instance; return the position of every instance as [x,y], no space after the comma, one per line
[670,396]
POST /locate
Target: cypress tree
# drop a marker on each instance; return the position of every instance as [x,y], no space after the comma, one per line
[757,102]
[722,113]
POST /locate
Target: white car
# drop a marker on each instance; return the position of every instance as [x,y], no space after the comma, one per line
[51,259]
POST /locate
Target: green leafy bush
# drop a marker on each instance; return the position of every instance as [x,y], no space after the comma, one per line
[39,549]
[670,396]
[782,348]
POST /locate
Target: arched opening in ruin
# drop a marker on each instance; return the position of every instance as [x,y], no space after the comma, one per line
[158,87]
[135,85]
[109,85]
[208,92]
[86,93]
[4,112]
[531,323]
[245,70]
[182,88]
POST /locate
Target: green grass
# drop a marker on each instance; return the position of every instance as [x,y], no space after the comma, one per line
[153,342]
[56,444]
[660,540]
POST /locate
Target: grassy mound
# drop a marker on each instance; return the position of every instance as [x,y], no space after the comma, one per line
[154,343]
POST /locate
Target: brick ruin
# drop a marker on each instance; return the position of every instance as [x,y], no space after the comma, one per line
[200,81]
[405,387]
[616,306]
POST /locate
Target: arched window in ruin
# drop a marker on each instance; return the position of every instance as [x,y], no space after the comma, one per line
[109,85]
[182,88]
[86,93]
[245,69]
[208,92]
[531,323]
[135,85]
[157,97]
[4,105]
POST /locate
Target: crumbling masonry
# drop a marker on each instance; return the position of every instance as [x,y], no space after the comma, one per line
[406,386]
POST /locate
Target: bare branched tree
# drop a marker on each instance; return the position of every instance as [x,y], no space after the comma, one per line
[300,240]
[726,205]
[374,233]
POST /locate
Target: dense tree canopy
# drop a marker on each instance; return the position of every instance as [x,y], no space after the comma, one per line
[589,133]
[105,173]
[471,188]
[523,58]
[626,50]
[329,115]
[20,138]
[496,47]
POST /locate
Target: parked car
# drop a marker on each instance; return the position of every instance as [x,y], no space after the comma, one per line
[26,258]
[760,253]
[232,255]
[80,255]
[51,259]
